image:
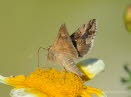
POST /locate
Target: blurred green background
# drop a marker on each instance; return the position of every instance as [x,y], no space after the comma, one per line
[26,25]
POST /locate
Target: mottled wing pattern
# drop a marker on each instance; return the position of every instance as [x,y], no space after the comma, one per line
[62,45]
[83,37]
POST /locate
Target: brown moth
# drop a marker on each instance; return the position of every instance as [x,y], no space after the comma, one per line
[66,48]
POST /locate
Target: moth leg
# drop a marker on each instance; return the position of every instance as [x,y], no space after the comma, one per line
[64,74]
[64,69]
[38,55]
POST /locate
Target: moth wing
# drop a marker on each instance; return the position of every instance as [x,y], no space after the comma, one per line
[83,37]
[63,44]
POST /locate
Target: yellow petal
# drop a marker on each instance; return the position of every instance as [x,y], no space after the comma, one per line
[91,67]
[92,90]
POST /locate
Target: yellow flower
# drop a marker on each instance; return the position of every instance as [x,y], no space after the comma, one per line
[127,18]
[48,82]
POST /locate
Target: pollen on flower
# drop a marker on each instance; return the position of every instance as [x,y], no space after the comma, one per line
[50,81]
[53,83]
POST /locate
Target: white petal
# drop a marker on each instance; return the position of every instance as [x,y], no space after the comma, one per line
[21,93]
[91,67]
[2,79]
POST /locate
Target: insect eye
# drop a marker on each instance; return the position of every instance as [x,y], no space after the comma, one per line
[80,32]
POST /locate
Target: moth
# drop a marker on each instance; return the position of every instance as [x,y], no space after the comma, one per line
[66,48]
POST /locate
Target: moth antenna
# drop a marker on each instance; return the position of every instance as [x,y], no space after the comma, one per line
[39,54]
